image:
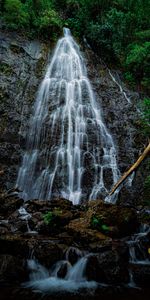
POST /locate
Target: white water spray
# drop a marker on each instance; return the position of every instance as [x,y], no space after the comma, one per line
[135,247]
[46,281]
[120,87]
[70,152]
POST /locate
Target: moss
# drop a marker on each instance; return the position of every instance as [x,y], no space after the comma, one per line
[102,73]
[97,222]
[6,69]
[41,63]
[40,67]
[3,123]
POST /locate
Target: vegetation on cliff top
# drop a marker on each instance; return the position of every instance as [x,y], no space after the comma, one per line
[118,30]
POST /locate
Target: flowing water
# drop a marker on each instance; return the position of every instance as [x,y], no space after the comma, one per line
[138,252]
[120,87]
[70,152]
[25,216]
[72,280]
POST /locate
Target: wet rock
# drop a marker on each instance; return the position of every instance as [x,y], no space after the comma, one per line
[53,225]
[12,269]
[63,270]
[81,232]
[43,228]
[33,49]
[40,205]
[22,66]
[141,274]
[73,254]
[37,216]
[3,230]
[122,120]
[5,227]
[15,245]
[108,267]
[121,221]
[8,204]
[49,252]
[19,226]
[144,214]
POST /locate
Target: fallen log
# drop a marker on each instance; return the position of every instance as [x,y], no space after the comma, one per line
[133,168]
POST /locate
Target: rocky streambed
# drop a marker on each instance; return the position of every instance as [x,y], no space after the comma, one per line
[46,231]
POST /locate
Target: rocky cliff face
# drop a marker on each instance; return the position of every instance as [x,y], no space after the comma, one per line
[123,120]
[23,66]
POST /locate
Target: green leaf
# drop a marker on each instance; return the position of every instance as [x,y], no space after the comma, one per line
[105,227]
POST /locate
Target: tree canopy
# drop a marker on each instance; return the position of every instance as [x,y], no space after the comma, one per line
[118,30]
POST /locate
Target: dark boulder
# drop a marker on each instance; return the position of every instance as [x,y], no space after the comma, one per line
[108,267]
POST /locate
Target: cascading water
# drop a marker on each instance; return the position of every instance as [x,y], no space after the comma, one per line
[120,87]
[136,250]
[137,253]
[46,281]
[70,152]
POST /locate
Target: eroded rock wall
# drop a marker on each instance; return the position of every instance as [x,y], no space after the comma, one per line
[23,67]
[23,63]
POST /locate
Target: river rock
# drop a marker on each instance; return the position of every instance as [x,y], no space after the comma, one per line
[108,267]
[13,269]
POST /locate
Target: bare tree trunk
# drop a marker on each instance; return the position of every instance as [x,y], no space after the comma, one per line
[133,168]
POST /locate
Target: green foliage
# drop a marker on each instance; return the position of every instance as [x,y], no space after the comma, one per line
[105,228]
[35,17]
[147,189]
[97,223]
[16,15]
[118,30]
[130,78]
[48,218]
[145,116]
[6,69]
[48,23]
[51,217]
[137,58]
[147,183]
[143,35]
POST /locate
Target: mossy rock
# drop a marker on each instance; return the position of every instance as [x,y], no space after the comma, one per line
[6,69]
[110,216]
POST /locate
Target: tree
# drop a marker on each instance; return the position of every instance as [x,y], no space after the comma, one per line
[137,61]
[16,15]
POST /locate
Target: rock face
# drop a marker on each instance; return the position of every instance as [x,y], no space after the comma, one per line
[56,231]
[22,67]
[122,119]
[96,228]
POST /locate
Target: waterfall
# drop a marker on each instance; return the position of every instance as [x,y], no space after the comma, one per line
[120,87]
[137,252]
[46,281]
[69,151]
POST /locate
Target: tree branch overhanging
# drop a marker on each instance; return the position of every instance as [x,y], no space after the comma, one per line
[133,168]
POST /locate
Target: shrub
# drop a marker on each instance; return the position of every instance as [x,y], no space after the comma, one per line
[145,116]
[16,15]
[48,218]
[137,60]
[97,223]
